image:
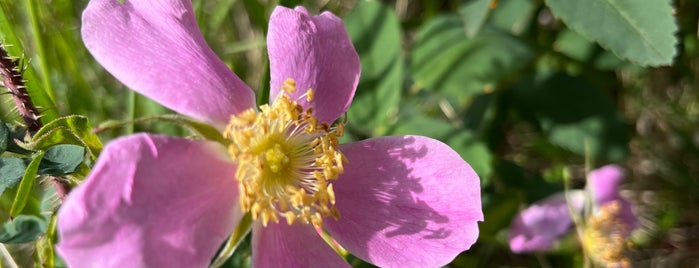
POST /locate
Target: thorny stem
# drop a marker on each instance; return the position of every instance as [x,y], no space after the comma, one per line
[12,80]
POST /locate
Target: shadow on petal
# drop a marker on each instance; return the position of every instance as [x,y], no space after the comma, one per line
[406,199]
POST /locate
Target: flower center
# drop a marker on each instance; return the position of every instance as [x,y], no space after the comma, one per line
[604,236]
[286,160]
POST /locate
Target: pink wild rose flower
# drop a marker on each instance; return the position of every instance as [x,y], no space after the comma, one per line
[540,226]
[161,201]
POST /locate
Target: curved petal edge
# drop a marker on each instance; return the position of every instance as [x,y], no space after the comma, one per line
[150,201]
[317,53]
[406,201]
[155,48]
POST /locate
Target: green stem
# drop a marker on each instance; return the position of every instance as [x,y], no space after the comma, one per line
[131,108]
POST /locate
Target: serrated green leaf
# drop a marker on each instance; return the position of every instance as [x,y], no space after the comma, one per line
[375,30]
[642,31]
[61,159]
[11,170]
[22,229]
[26,185]
[446,61]
[73,129]
[474,13]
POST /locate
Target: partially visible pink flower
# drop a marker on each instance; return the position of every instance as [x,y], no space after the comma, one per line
[541,225]
[160,201]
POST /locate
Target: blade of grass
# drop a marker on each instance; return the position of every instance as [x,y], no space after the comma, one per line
[34,20]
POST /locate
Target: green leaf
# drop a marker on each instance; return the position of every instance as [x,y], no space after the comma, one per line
[26,185]
[11,170]
[4,137]
[514,16]
[61,159]
[474,13]
[571,112]
[445,60]
[22,229]
[375,30]
[73,129]
[574,45]
[642,31]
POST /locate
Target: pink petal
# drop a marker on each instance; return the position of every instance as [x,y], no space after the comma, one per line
[297,245]
[155,48]
[605,185]
[406,201]
[605,182]
[542,224]
[150,201]
[317,53]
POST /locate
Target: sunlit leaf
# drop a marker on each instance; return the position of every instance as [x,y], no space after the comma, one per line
[513,16]
[445,60]
[375,31]
[642,31]
[474,13]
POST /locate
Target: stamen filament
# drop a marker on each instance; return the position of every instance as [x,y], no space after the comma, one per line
[286,160]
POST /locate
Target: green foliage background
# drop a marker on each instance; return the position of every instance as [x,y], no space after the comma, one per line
[526,91]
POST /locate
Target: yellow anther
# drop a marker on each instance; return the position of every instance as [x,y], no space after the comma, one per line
[285,160]
[289,86]
[290,217]
[309,94]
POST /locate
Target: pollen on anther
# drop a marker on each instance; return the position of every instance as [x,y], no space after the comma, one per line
[285,160]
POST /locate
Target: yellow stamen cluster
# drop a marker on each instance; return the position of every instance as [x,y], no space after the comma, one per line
[605,236]
[286,160]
